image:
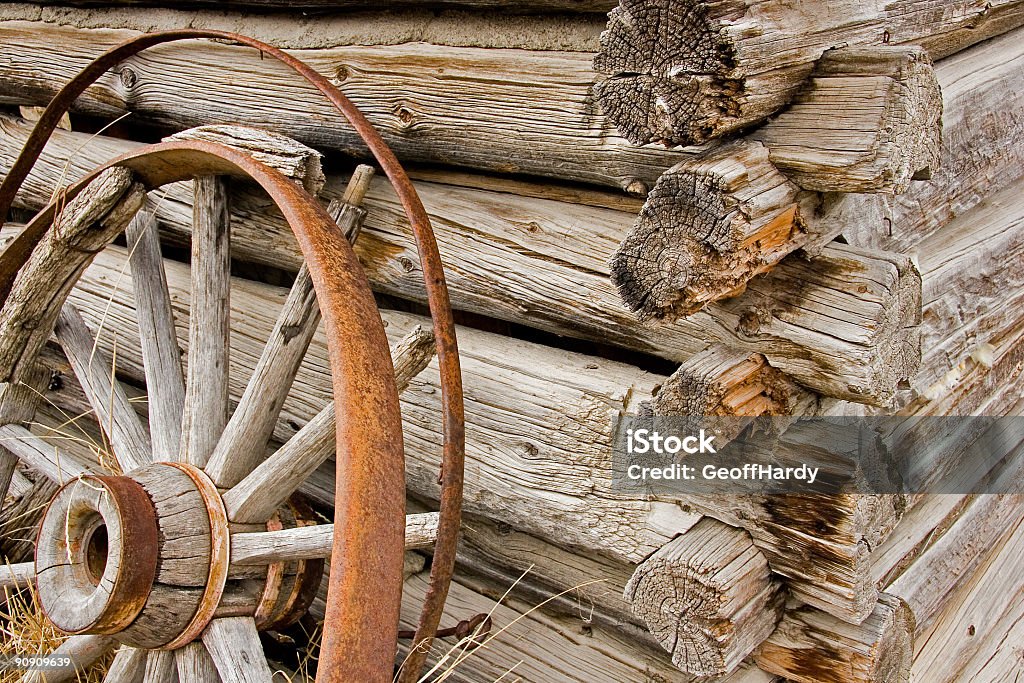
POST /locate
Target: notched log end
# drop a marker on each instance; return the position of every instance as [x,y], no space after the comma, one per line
[664,71]
[723,382]
[889,105]
[708,596]
[708,227]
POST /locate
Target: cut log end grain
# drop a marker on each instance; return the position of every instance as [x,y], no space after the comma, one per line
[724,382]
[869,120]
[664,71]
[708,226]
[708,597]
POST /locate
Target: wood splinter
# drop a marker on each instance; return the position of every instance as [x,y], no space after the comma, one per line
[708,596]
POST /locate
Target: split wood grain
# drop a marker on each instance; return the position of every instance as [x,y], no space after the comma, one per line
[978,635]
[295,160]
[306,542]
[981,154]
[240,448]
[119,421]
[810,646]
[685,71]
[537,645]
[544,457]
[161,667]
[88,222]
[269,484]
[461,106]
[709,597]
[39,454]
[708,226]
[129,665]
[209,347]
[348,5]
[195,664]
[84,651]
[535,455]
[18,401]
[555,255]
[160,349]
[868,120]
[235,647]
[723,382]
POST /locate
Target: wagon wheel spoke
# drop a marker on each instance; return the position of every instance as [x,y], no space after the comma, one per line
[17,575]
[94,371]
[266,488]
[195,664]
[243,445]
[244,442]
[84,651]
[129,666]
[161,667]
[236,650]
[160,351]
[18,402]
[206,393]
[40,454]
[315,542]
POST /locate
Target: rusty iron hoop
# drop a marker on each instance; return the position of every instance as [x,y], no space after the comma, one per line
[366,400]
[452,470]
[220,555]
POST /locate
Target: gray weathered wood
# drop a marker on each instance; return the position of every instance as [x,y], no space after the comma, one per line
[551,263]
[161,667]
[809,646]
[18,403]
[90,221]
[235,648]
[267,486]
[295,160]
[206,393]
[240,448]
[129,666]
[160,348]
[315,541]
[977,638]
[868,120]
[464,106]
[709,597]
[710,224]
[17,575]
[39,454]
[114,412]
[682,71]
[195,664]
[84,651]
[325,5]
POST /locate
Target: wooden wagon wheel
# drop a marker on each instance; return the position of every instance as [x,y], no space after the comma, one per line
[355,643]
[170,551]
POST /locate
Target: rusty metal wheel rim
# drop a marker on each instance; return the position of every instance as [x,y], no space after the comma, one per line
[452,473]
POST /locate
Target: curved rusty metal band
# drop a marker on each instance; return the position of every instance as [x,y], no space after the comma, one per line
[17,252]
[369,566]
[220,555]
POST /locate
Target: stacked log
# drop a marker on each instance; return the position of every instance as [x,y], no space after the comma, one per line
[682,208]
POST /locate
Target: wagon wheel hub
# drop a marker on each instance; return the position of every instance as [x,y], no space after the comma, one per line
[146,558]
